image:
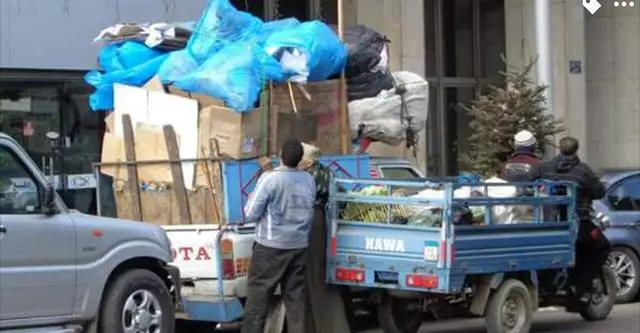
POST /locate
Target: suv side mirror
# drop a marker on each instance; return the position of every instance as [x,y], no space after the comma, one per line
[49,201]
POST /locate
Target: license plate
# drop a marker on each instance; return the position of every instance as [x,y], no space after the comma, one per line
[431,253]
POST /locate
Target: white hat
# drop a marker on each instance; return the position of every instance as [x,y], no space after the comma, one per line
[524,138]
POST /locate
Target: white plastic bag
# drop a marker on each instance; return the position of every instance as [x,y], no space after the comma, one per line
[387,116]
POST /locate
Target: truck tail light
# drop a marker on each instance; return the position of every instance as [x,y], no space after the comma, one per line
[242,266]
[350,275]
[228,264]
[422,281]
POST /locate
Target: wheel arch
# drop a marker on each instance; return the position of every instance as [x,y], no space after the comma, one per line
[151,264]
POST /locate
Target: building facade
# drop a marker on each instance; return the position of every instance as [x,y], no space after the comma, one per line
[596,71]
[46,48]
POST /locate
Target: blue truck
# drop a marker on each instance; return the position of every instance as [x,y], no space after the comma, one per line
[379,241]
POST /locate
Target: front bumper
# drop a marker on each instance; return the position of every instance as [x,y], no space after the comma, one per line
[174,275]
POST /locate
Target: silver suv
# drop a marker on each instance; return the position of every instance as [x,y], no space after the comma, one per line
[64,271]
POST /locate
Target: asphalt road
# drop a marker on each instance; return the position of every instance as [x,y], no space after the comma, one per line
[623,319]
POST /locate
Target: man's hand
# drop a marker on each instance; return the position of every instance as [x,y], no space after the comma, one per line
[265,163]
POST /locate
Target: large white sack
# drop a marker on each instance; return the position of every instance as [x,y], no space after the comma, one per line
[383,117]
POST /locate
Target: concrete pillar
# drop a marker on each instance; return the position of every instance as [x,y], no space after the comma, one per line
[613,86]
[568,44]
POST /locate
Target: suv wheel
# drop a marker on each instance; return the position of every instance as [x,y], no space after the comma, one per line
[137,301]
[626,266]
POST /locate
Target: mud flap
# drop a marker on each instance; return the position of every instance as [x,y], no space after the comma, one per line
[482,291]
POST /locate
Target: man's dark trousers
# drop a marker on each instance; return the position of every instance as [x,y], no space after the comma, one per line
[592,252]
[270,267]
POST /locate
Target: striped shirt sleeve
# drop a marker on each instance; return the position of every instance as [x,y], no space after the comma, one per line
[259,198]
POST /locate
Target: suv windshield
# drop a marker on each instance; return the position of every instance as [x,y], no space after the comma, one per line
[399,172]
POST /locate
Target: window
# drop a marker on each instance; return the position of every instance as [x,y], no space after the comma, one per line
[19,193]
[398,172]
[626,195]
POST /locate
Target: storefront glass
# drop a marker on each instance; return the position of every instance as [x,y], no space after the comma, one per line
[464,42]
[31,111]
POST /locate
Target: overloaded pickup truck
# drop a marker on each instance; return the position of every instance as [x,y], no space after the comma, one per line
[62,271]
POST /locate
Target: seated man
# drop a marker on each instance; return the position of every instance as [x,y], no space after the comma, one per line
[592,247]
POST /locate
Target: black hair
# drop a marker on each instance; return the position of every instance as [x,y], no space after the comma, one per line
[291,153]
[568,146]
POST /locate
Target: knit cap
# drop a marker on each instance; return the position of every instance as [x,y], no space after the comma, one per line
[524,138]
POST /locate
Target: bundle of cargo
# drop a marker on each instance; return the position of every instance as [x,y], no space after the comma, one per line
[383,106]
[240,83]
[204,129]
[393,116]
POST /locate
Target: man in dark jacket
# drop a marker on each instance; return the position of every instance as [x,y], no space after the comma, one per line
[525,158]
[591,246]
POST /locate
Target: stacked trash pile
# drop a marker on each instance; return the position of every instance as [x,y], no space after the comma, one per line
[230,55]
[383,106]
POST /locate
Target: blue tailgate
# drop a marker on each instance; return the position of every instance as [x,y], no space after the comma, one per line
[374,250]
[239,179]
[389,256]
[381,254]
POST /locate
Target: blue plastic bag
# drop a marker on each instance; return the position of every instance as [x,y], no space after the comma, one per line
[178,64]
[115,57]
[108,58]
[235,75]
[102,98]
[325,54]
[221,24]
[271,27]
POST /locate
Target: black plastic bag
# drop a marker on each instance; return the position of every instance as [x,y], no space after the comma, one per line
[368,84]
[364,46]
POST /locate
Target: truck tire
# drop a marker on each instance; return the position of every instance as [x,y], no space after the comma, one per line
[600,306]
[137,298]
[510,309]
[399,315]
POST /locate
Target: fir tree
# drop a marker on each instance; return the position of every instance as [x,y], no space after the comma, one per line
[498,115]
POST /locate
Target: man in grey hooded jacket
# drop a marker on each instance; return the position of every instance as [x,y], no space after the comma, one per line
[282,205]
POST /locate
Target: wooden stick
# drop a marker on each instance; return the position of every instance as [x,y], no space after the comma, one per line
[212,192]
[214,147]
[291,97]
[132,169]
[304,92]
[179,187]
[345,137]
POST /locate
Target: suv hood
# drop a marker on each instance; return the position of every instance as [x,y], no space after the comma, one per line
[124,230]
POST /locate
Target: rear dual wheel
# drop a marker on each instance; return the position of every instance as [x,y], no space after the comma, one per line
[399,314]
[510,309]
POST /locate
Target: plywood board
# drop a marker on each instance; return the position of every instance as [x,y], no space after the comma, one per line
[150,145]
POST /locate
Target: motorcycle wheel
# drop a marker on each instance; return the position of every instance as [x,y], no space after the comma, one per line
[601,303]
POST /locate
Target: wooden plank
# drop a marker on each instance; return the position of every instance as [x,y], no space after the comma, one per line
[345,135]
[179,187]
[214,147]
[133,184]
[212,191]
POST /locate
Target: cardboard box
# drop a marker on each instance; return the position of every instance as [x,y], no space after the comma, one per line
[203,100]
[317,121]
[239,135]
